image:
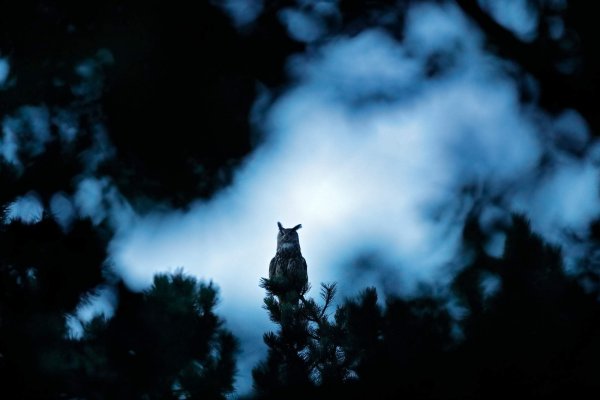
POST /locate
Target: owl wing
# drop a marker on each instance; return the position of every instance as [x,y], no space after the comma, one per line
[272,268]
[304,270]
[297,268]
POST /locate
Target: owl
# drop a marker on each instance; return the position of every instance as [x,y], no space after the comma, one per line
[288,263]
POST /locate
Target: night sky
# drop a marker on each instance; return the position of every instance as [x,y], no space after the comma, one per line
[184,133]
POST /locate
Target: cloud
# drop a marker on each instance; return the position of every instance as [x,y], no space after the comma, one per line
[373,157]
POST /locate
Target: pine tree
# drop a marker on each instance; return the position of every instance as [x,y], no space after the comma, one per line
[306,350]
[535,332]
[163,343]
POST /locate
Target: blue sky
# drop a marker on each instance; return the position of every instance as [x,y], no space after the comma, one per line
[369,153]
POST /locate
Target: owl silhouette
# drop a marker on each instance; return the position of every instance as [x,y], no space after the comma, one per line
[288,265]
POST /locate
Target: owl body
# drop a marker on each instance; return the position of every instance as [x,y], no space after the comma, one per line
[288,263]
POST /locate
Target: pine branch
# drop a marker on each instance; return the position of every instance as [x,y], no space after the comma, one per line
[310,310]
[272,307]
[328,292]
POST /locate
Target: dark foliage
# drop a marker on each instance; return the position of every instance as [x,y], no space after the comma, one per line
[45,271]
[538,335]
[164,343]
[566,67]
[305,351]
[176,93]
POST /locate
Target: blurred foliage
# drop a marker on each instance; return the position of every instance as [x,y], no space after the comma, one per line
[165,342]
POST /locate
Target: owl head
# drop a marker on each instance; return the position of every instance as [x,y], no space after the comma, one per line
[287,238]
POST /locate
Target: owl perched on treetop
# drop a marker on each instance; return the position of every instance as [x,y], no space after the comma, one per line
[288,263]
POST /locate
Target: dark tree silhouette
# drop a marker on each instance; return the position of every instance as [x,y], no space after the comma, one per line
[163,343]
[306,350]
[536,333]
[166,342]
[565,66]
[171,150]
[44,273]
[46,269]
[539,333]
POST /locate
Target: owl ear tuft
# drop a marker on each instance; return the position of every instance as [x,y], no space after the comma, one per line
[297,227]
[280,226]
